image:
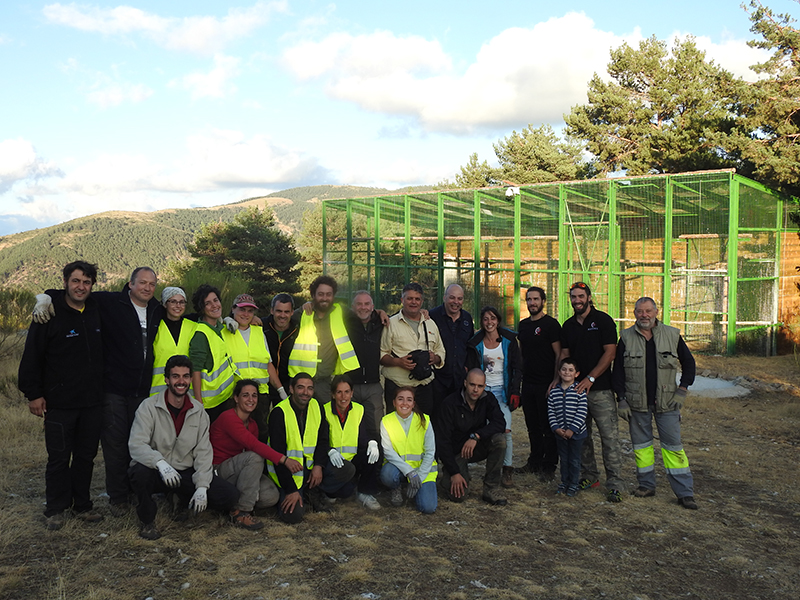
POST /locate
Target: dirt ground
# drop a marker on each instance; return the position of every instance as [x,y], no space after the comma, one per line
[743,542]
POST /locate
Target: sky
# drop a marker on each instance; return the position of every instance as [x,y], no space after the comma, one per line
[152,105]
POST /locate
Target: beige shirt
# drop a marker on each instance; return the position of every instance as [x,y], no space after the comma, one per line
[400,339]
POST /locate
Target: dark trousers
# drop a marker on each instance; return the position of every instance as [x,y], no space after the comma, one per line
[261,414]
[336,483]
[544,455]
[71,437]
[118,414]
[423,396]
[367,473]
[569,451]
[220,408]
[492,450]
[146,482]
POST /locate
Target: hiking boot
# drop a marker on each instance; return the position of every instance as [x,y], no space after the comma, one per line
[526,469]
[55,522]
[688,502]
[396,497]
[89,516]
[643,492]
[586,484]
[506,479]
[148,531]
[245,520]
[561,489]
[119,509]
[614,496]
[368,501]
[573,490]
[493,497]
[319,501]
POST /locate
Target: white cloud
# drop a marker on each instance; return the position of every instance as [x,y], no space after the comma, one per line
[19,163]
[522,75]
[200,34]
[214,83]
[116,92]
[733,55]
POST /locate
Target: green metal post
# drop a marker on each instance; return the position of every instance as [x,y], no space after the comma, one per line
[776,294]
[407,253]
[612,272]
[733,265]
[349,214]
[324,241]
[476,248]
[517,254]
[666,295]
[377,292]
[563,255]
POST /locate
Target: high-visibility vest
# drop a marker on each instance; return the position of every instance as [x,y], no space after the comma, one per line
[345,440]
[303,358]
[164,348]
[410,447]
[251,359]
[217,385]
[302,450]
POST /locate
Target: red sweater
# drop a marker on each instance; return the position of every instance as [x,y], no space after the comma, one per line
[229,437]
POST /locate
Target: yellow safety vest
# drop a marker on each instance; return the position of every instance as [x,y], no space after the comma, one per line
[410,447]
[296,448]
[345,440]
[217,386]
[303,358]
[164,348]
[251,359]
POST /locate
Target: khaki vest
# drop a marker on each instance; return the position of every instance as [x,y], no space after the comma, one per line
[666,340]
[296,447]
[251,360]
[164,348]
[303,358]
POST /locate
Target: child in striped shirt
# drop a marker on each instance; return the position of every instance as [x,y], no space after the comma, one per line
[566,411]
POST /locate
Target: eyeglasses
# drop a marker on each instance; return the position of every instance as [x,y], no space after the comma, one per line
[177,302]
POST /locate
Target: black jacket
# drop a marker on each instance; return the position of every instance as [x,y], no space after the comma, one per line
[367,344]
[63,359]
[279,350]
[513,359]
[451,375]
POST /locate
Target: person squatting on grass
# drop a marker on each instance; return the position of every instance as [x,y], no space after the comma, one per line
[409,448]
[171,451]
[566,411]
[239,456]
[61,374]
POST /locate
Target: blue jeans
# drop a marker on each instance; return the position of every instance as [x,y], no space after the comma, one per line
[426,497]
[569,453]
[500,393]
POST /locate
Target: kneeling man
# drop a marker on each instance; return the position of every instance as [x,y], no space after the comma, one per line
[170,450]
[470,429]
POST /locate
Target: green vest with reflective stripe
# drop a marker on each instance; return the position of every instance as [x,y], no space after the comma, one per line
[410,447]
[217,385]
[164,347]
[303,358]
[635,364]
[251,359]
[345,440]
[296,448]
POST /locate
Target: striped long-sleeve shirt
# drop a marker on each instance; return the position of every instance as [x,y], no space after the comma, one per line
[566,409]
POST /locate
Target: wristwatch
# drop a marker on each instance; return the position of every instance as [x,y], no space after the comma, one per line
[473,436]
[591,379]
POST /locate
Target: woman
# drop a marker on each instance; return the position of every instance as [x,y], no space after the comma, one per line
[248,349]
[239,456]
[173,336]
[495,350]
[212,379]
[408,449]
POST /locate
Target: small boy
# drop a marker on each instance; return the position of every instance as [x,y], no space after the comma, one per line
[566,411]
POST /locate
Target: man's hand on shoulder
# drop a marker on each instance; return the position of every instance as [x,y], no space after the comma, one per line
[43,310]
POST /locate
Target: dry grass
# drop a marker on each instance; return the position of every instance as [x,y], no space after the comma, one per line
[742,543]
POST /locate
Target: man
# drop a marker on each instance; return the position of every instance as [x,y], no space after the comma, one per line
[174,334]
[365,329]
[645,369]
[407,332]
[470,429]
[298,430]
[322,348]
[540,342]
[129,320]
[456,328]
[590,337]
[281,329]
[171,451]
[61,375]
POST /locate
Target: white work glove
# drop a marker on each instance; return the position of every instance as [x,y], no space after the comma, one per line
[414,483]
[679,398]
[372,452]
[199,501]
[282,393]
[169,476]
[231,324]
[624,410]
[43,311]
[336,458]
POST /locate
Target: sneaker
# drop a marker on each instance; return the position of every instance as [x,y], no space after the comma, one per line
[396,497]
[55,522]
[493,497]
[561,489]
[368,501]
[643,492]
[89,516]
[506,480]
[688,502]
[614,496]
[148,531]
[573,490]
[245,520]
[119,509]
[586,484]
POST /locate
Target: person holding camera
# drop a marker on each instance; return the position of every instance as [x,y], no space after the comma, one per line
[411,351]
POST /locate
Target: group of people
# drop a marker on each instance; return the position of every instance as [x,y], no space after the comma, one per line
[326,401]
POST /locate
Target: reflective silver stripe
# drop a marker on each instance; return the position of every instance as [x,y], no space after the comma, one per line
[348,354]
[308,450]
[242,365]
[350,449]
[260,379]
[216,392]
[676,449]
[303,363]
[214,374]
[311,347]
[643,446]
[259,365]
[341,340]
[434,468]
[680,471]
[408,457]
[647,469]
[157,389]
[158,371]
[294,454]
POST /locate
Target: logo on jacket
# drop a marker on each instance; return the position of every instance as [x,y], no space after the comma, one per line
[72,333]
[592,326]
[537,331]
